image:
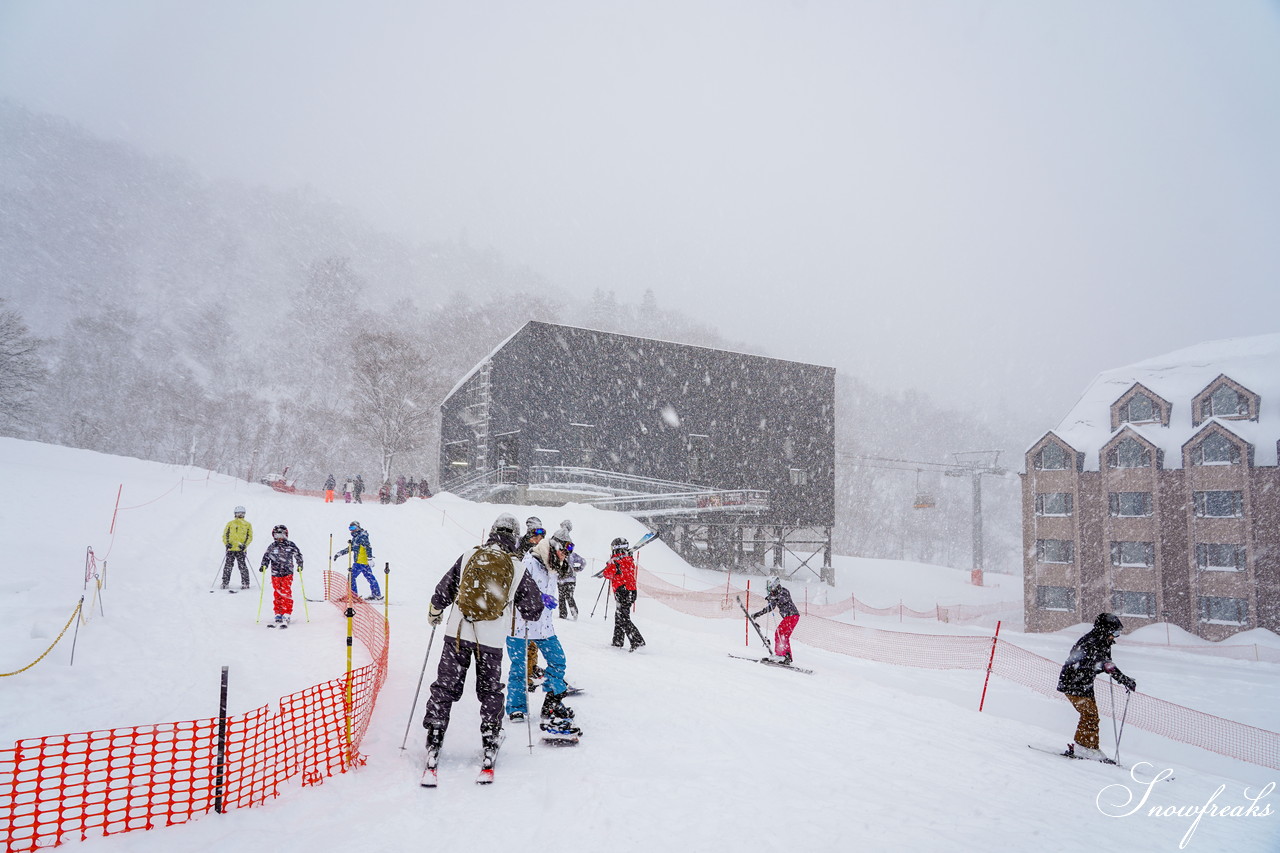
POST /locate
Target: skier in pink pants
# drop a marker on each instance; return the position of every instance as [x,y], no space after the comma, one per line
[777,596]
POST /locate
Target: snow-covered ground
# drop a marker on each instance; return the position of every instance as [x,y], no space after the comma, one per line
[685,748]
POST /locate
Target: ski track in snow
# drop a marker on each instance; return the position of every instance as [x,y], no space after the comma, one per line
[683,746]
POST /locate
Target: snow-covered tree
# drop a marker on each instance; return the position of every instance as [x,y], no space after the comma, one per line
[394,395]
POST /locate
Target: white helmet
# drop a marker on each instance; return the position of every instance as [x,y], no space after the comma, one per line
[773,583]
[239,510]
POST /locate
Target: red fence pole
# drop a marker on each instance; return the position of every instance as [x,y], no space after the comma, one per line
[990,661]
[746,633]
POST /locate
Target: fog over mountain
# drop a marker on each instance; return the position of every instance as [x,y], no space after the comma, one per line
[968,210]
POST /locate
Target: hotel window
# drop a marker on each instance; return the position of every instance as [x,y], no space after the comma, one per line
[1212,557]
[1140,409]
[1052,458]
[1225,402]
[1129,453]
[1133,603]
[1224,611]
[1219,504]
[1055,551]
[1054,503]
[1130,504]
[1133,554]
[1216,449]
[1055,598]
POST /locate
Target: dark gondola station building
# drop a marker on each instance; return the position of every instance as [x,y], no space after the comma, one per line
[730,456]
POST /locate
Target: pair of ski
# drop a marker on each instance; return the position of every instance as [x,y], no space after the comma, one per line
[555,733]
[768,647]
[1069,753]
[431,779]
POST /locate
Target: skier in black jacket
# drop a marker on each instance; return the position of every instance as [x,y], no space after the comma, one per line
[778,596]
[1090,656]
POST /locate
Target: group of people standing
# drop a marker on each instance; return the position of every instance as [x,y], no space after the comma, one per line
[533,576]
[280,556]
[352,489]
[391,491]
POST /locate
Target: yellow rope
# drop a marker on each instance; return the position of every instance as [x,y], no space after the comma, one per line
[74,613]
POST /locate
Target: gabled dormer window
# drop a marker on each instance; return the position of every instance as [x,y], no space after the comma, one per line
[1226,399]
[1140,405]
[1140,409]
[1053,457]
[1216,449]
[1226,402]
[1129,453]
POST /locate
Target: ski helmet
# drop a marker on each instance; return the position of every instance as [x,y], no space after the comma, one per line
[533,526]
[353,526]
[1109,623]
[773,583]
[239,511]
[620,544]
[280,532]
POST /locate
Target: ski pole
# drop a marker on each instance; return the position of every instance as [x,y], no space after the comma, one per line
[261,590]
[598,594]
[528,709]
[413,710]
[214,585]
[1124,715]
[302,585]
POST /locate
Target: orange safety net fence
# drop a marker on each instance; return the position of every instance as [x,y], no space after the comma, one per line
[932,651]
[71,787]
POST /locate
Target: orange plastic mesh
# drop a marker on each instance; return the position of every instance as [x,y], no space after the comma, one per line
[73,787]
[931,651]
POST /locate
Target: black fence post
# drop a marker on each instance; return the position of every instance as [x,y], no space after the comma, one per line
[222,746]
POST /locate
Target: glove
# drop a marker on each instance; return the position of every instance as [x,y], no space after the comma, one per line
[434,615]
[548,602]
[757,615]
[299,569]
[335,557]
[1127,683]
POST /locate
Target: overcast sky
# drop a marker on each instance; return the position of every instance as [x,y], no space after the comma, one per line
[988,201]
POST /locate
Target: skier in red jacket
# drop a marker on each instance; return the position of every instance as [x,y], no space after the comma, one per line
[621,572]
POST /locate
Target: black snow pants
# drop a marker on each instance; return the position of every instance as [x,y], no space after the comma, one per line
[235,557]
[622,625]
[451,676]
[567,604]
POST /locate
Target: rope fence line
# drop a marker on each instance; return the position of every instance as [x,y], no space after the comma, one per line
[937,651]
[61,634]
[89,784]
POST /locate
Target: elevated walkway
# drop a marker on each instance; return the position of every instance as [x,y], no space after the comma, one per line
[642,497]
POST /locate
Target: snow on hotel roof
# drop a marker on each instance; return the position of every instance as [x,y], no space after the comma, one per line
[1178,377]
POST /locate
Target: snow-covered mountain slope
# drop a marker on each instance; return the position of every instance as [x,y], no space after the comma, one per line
[684,748]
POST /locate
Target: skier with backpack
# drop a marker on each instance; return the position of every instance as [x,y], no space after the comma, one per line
[361,552]
[1090,656]
[534,533]
[621,572]
[541,632]
[778,597]
[481,584]
[280,556]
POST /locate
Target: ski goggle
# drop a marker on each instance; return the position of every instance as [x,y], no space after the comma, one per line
[567,547]
[537,531]
[279,535]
